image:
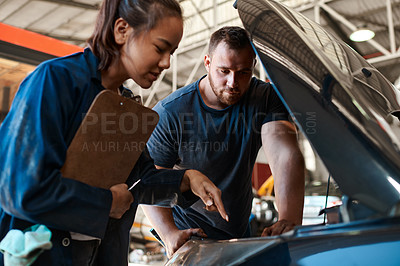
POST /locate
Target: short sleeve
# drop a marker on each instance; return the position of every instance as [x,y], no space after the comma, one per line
[163,143]
[275,109]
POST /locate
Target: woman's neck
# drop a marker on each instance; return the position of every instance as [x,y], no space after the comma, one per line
[113,77]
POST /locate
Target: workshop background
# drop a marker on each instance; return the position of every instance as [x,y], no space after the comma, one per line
[35,30]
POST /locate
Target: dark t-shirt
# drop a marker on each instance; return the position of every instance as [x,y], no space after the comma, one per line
[222,144]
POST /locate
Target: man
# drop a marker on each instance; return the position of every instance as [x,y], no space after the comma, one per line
[217,126]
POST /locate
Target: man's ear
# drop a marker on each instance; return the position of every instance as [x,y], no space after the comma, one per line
[207,62]
[121,28]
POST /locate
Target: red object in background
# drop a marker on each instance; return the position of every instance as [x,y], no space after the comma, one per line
[261,172]
[35,41]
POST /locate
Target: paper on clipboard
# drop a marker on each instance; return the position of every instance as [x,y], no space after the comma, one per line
[109,141]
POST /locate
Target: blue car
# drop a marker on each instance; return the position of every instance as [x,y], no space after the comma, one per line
[355,131]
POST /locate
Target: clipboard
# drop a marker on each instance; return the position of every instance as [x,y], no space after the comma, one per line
[109,141]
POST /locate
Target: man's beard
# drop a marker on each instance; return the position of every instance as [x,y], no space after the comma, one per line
[223,98]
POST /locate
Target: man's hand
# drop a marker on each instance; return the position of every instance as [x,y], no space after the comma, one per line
[280,227]
[122,200]
[202,187]
[177,238]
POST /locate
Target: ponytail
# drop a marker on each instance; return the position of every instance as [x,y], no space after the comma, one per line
[102,41]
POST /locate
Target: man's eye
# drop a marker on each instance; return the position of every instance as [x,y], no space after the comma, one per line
[224,71]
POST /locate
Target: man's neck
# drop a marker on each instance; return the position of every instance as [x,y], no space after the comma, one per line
[208,95]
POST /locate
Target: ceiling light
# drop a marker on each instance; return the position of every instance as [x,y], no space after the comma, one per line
[362,35]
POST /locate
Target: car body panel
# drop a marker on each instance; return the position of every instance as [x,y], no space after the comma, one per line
[374,242]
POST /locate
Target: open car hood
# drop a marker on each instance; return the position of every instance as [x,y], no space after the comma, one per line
[345,107]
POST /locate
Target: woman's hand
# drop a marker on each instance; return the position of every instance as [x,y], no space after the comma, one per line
[122,200]
[202,187]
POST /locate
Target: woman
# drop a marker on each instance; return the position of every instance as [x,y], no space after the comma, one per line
[132,39]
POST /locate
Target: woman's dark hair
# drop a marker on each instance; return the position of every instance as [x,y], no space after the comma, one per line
[142,15]
[236,38]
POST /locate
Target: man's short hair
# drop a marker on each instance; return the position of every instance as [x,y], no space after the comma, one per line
[236,38]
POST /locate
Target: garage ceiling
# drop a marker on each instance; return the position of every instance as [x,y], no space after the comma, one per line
[72,21]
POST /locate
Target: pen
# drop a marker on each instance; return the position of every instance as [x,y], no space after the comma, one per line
[134,184]
[153,231]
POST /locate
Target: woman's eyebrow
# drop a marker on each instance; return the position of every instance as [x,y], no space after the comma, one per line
[165,41]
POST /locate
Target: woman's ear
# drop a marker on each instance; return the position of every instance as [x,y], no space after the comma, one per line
[121,28]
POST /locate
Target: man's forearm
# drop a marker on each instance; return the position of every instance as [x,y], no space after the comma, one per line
[161,219]
[289,189]
[287,166]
